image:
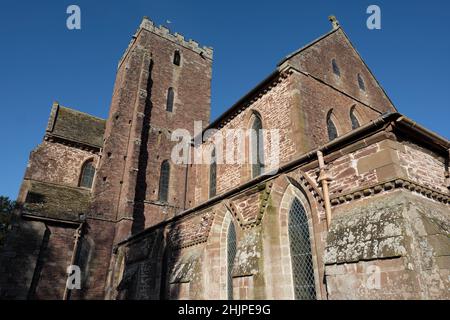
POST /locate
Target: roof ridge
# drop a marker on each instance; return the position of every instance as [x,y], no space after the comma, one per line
[308,45]
[81,112]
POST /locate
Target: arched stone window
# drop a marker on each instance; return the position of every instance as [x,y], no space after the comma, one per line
[231,254]
[87,174]
[331,126]
[170,98]
[354,119]
[176,58]
[361,84]
[164,179]
[301,255]
[336,69]
[257,147]
[213,174]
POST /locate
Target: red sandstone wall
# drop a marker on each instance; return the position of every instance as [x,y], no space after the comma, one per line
[297,107]
[95,259]
[57,163]
[139,129]
[56,258]
[316,100]
[383,161]
[390,229]
[316,60]
[424,166]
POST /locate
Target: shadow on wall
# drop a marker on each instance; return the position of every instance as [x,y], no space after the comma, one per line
[142,268]
[34,259]
[141,181]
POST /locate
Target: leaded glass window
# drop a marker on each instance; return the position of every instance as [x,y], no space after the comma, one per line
[164,181]
[231,254]
[87,175]
[213,174]
[354,119]
[331,127]
[301,256]
[257,147]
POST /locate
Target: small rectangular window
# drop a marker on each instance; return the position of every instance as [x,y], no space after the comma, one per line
[170,98]
[176,58]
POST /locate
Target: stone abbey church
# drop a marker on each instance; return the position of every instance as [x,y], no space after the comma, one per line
[359,207]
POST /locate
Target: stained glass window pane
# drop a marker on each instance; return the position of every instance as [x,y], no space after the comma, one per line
[301,257]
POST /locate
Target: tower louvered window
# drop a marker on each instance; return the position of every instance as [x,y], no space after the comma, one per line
[87,175]
[231,254]
[301,256]
[170,98]
[164,181]
[176,58]
[213,174]
[257,148]
[331,127]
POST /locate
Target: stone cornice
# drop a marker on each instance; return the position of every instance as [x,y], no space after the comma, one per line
[198,240]
[398,183]
[264,191]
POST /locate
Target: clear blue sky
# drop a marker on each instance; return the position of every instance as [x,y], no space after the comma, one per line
[42,61]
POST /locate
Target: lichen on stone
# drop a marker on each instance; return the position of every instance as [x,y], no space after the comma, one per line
[248,254]
[365,233]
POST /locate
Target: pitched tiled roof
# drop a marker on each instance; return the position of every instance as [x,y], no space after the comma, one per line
[76,126]
[55,201]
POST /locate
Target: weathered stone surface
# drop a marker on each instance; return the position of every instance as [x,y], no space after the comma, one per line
[185,266]
[142,250]
[248,254]
[405,228]
[369,232]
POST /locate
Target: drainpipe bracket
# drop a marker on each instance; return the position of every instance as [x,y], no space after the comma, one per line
[324,176]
